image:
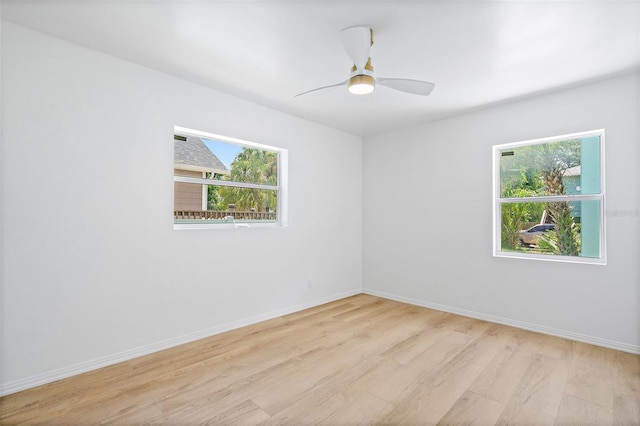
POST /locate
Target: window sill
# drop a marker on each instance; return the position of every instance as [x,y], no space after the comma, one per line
[186,226]
[552,258]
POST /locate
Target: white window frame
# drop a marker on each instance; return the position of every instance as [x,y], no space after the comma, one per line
[498,201]
[281,187]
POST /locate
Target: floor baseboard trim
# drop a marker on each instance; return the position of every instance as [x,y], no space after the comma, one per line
[611,344]
[83,367]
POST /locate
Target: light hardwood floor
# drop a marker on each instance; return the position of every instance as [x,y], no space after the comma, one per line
[360,360]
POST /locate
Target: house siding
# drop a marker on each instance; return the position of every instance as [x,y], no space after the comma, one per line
[187,196]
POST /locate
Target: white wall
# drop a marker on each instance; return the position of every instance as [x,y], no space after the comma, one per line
[92,271]
[428,218]
[87,137]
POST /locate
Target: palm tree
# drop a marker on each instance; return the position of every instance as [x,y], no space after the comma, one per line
[254,166]
[554,159]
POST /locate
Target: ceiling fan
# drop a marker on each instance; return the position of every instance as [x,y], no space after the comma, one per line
[357,41]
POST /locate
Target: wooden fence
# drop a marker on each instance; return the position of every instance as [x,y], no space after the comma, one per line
[223,214]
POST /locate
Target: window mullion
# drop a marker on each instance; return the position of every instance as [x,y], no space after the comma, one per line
[551,198]
[203,181]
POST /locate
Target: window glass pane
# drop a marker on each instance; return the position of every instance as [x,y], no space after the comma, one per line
[192,157]
[196,203]
[244,164]
[552,168]
[224,161]
[554,228]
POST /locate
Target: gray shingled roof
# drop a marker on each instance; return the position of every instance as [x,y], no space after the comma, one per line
[193,152]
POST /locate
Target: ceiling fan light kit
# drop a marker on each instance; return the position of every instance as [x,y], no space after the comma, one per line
[362,84]
[357,42]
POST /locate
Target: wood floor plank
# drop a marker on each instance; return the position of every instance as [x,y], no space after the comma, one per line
[404,351]
[574,411]
[471,409]
[393,388]
[244,413]
[299,413]
[539,392]
[364,409]
[516,414]
[626,388]
[328,396]
[461,324]
[626,407]
[387,380]
[626,372]
[21,407]
[293,383]
[503,374]
[431,399]
[359,360]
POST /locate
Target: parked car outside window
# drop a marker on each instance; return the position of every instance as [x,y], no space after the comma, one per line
[529,237]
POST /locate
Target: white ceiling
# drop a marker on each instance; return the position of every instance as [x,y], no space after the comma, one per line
[476,52]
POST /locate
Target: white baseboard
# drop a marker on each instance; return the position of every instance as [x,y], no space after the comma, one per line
[611,344]
[83,367]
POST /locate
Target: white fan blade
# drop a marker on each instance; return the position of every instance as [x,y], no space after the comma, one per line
[416,87]
[357,43]
[322,88]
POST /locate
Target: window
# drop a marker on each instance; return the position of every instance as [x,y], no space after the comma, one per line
[226,182]
[549,198]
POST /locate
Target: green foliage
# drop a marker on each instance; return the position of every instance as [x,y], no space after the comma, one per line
[516,217]
[255,166]
[525,182]
[214,199]
[532,166]
[565,239]
[538,170]
[558,156]
[252,166]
